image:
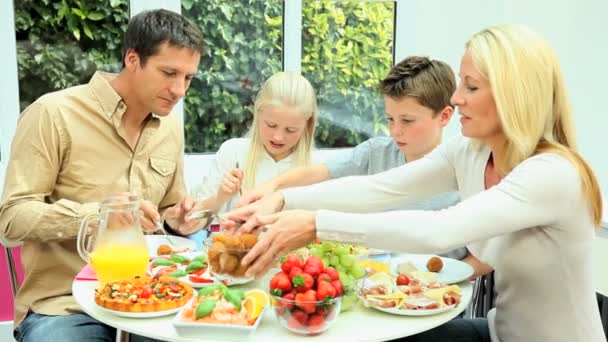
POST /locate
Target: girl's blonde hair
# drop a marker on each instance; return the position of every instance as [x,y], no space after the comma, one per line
[288,89]
[533,109]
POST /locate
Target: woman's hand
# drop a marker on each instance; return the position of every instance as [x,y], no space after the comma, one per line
[287,231]
[244,219]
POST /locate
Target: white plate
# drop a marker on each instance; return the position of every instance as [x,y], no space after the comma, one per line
[226,280]
[179,242]
[453,271]
[421,312]
[201,330]
[140,314]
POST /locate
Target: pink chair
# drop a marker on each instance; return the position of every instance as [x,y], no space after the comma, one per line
[11,277]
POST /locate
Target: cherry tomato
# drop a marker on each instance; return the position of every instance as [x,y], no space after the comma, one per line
[402,279]
[146,293]
[198,279]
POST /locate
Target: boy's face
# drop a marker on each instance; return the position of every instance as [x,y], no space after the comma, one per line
[165,77]
[415,128]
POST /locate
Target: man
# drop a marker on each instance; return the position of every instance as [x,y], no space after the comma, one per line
[77,146]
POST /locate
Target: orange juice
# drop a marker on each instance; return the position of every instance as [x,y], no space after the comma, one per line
[119,261]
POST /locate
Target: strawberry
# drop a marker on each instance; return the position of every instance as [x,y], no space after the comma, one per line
[291,297]
[323,277]
[338,286]
[332,272]
[297,319]
[294,272]
[303,282]
[291,261]
[324,290]
[280,284]
[322,310]
[313,270]
[313,260]
[306,300]
[316,323]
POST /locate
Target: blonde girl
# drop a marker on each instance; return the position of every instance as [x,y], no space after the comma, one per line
[281,137]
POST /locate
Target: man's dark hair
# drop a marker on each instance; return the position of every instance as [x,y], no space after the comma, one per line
[429,81]
[148,30]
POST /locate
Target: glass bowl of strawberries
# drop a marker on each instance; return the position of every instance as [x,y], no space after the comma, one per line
[306,296]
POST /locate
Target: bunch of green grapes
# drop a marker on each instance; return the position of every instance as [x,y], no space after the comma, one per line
[344,258]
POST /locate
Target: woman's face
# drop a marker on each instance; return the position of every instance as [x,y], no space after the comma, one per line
[475,102]
[280,130]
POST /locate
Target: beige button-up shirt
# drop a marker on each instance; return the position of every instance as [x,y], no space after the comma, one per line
[68,154]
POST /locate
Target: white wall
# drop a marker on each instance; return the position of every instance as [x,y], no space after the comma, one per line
[575,29]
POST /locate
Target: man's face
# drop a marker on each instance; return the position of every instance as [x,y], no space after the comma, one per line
[415,128]
[164,78]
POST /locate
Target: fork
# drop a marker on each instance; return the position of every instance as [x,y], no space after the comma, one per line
[160,225]
[241,187]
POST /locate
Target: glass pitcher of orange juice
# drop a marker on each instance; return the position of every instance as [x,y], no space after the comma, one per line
[118,250]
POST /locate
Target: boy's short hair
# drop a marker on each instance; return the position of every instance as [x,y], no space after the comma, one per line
[429,81]
[148,30]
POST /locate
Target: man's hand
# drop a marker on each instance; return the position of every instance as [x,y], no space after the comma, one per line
[258,193]
[149,215]
[287,231]
[177,217]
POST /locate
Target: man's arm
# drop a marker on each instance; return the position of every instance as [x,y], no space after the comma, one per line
[37,150]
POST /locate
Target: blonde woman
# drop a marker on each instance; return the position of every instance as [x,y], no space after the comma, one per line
[529,209]
[280,138]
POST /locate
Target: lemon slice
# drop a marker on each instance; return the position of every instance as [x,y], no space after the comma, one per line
[375,265]
[255,301]
[382,278]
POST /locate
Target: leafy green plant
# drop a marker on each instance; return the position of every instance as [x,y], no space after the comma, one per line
[52,52]
[243,48]
[347,49]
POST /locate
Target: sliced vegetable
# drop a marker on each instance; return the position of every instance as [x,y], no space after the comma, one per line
[179,258]
[162,262]
[194,265]
[178,273]
[204,308]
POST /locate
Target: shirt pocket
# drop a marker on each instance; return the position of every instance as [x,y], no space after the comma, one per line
[163,167]
[161,176]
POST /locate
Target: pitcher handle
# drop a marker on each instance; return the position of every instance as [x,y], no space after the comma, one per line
[82,236]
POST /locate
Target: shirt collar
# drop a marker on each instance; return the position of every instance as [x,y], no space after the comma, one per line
[268,157]
[109,99]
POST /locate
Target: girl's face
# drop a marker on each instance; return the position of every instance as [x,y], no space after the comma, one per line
[415,128]
[280,130]
[478,114]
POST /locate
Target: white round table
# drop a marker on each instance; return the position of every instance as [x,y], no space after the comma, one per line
[600,272]
[358,324]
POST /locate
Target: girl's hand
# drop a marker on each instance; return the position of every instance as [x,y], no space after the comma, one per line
[231,184]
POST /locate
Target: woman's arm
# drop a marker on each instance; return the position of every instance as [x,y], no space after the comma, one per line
[525,198]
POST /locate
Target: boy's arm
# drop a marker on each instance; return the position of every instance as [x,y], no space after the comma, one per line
[299,176]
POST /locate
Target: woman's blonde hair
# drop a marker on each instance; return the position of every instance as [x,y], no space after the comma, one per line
[288,89]
[532,105]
